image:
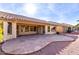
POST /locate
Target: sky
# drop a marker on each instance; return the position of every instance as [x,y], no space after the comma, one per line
[56,12]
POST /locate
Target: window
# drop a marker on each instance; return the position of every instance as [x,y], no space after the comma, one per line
[48,28]
[34,28]
[9,28]
[31,28]
[22,28]
[27,29]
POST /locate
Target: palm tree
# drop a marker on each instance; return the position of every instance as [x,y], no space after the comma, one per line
[77,20]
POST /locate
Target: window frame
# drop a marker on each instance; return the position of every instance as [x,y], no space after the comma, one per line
[27,28]
[48,28]
[9,28]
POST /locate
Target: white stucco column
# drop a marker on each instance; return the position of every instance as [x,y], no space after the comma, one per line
[5,25]
[46,29]
[14,34]
[5,29]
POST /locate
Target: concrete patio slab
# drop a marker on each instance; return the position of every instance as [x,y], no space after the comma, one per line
[30,44]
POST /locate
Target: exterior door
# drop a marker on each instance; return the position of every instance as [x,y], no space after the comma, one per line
[1,32]
[40,30]
[17,30]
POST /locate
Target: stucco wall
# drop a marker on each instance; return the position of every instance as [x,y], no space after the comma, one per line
[6,35]
[46,29]
[60,29]
[26,33]
[23,32]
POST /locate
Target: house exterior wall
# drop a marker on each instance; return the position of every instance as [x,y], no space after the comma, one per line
[5,34]
[51,31]
[60,29]
[25,33]
[40,29]
[42,26]
[65,28]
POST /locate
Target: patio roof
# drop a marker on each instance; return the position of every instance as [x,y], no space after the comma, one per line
[19,17]
[67,25]
[11,16]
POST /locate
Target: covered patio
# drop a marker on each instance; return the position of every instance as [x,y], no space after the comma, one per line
[13,25]
[29,28]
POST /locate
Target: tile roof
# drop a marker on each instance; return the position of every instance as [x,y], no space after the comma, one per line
[20,17]
[66,24]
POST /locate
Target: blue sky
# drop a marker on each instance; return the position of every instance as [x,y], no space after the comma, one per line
[57,12]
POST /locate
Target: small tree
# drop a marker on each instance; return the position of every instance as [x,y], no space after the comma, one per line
[77,26]
[69,30]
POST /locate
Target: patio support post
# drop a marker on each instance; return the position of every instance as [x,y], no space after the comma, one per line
[7,36]
[5,25]
[14,30]
[46,29]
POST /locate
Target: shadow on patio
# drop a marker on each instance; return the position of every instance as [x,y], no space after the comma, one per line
[52,49]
